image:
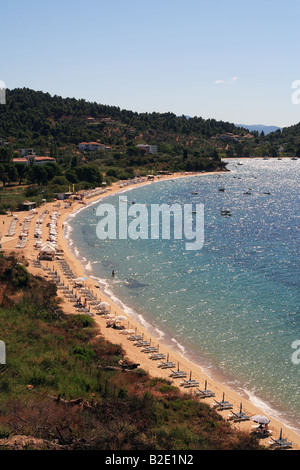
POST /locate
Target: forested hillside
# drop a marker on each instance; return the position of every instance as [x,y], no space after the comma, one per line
[54,127]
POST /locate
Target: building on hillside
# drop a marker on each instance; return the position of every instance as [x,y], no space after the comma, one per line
[83,146]
[91,146]
[22,160]
[228,137]
[42,160]
[35,159]
[148,148]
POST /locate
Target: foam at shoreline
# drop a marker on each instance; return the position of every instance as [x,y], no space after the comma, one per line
[170,342]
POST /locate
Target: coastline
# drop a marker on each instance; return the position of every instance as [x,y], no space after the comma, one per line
[132,352]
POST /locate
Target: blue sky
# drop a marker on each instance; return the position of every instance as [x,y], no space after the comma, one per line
[228,60]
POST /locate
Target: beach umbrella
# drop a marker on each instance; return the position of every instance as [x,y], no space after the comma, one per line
[120,318]
[260,419]
[103,305]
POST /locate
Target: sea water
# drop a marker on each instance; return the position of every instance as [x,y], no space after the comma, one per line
[232,306]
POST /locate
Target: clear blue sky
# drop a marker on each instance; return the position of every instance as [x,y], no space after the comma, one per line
[159,55]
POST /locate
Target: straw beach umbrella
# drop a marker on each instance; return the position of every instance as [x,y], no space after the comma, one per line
[120,318]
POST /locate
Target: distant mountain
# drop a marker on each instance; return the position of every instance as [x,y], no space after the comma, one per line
[259,128]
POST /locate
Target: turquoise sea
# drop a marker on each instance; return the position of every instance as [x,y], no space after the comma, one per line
[234,305]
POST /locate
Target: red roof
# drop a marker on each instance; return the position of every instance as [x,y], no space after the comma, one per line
[44,158]
[19,160]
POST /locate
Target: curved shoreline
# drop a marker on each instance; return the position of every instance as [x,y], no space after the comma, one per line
[132,352]
[212,371]
[213,375]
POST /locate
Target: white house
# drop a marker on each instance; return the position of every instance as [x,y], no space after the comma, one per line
[83,146]
[148,148]
[91,146]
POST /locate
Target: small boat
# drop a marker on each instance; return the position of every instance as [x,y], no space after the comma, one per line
[247,192]
[225,212]
[221,190]
[294,158]
[239,163]
[266,192]
[195,192]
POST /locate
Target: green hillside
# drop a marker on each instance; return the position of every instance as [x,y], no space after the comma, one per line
[54,127]
[62,388]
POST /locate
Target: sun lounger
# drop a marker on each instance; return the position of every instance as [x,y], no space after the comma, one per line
[238,416]
[189,383]
[166,365]
[157,356]
[177,374]
[126,332]
[135,337]
[222,404]
[149,349]
[205,393]
[262,431]
[282,443]
[141,343]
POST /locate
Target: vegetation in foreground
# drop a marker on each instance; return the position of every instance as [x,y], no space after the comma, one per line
[61,387]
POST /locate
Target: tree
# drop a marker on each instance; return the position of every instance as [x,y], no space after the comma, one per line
[22,171]
[11,171]
[38,174]
[6,154]
[89,173]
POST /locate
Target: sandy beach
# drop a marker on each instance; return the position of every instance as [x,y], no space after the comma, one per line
[133,353]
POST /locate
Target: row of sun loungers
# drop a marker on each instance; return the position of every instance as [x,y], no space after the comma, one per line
[12,227]
[39,224]
[122,184]
[154,354]
[145,347]
[23,237]
[94,192]
[53,229]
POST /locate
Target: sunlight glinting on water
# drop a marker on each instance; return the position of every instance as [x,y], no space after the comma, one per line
[233,304]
